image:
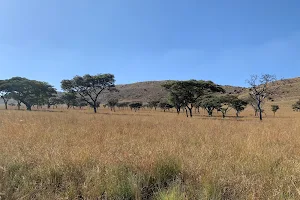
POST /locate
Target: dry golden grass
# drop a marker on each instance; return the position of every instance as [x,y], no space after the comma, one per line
[147,154]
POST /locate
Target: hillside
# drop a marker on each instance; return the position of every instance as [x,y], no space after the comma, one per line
[289,90]
[151,90]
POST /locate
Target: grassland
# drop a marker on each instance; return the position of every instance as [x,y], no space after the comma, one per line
[148,155]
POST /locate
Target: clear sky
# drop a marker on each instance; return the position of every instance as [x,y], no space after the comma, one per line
[137,40]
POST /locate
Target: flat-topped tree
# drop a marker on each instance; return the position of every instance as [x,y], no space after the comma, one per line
[225,102]
[90,87]
[210,103]
[25,91]
[186,93]
[238,105]
[135,105]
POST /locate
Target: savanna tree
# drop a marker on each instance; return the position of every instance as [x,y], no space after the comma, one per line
[90,87]
[54,101]
[186,93]
[135,106]
[225,102]
[112,104]
[153,104]
[210,103]
[260,89]
[274,108]
[27,91]
[165,106]
[238,105]
[69,98]
[43,94]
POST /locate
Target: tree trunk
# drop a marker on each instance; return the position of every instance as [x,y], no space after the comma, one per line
[186,112]
[5,102]
[260,112]
[191,112]
[28,107]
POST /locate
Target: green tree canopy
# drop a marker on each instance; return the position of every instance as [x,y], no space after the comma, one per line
[186,93]
[90,87]
[238,105]
[210,103]
[69,99]
[28,92]
[274,108]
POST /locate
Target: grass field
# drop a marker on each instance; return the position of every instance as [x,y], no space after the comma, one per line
[76,154]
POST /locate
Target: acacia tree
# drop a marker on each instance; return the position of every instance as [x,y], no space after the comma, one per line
[226,104]
[153,104]
[186,93]
[54,101]
[238,105]
[210,103]
[90,87]
[176,101]
[112,104]
[260,89]
[43,93]
[165,106]
[69,99]
[274,108]
[25,91]
[136,106]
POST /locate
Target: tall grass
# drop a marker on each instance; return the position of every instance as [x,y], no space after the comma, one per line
[148,155]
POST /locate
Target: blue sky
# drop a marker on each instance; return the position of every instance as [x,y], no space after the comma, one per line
[137,40]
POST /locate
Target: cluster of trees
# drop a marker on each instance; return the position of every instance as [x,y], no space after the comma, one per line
[79,91]
[183,95]
[28,92]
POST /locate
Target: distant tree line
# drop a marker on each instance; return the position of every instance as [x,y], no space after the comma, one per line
[82,91]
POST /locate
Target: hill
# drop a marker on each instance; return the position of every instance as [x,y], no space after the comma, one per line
[151,90]
[289,90]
